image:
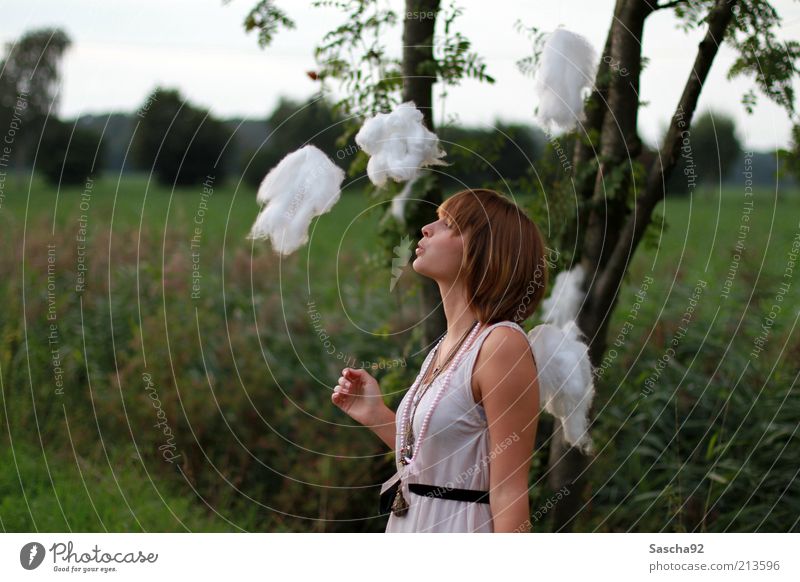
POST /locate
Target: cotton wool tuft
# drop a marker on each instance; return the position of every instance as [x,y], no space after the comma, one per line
[564,369]
[566,383]
[399,146]
[565,299]
[304,184]
[566,68]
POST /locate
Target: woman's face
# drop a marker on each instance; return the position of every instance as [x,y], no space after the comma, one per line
[440,251]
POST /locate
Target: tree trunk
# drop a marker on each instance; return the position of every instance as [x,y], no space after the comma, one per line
[606,213]
[612,239]
[619,140]
[418,49]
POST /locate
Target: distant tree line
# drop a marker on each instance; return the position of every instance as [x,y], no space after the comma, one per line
[180,143]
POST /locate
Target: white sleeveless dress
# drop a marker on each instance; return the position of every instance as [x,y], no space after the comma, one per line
[455,453]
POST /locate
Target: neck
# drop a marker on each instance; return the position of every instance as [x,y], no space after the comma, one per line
[460,317]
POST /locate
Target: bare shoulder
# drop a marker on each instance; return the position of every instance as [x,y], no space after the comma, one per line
[505,335]
[505,354]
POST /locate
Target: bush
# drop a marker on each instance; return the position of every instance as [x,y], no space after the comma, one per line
[179,143]
[68,154]
[711,449]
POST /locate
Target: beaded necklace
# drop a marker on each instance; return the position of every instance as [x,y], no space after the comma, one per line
[407,455]
[418,394]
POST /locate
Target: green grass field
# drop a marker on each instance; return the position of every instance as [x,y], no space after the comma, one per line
[244,376]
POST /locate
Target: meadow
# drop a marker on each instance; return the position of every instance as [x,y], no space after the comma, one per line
[160,372]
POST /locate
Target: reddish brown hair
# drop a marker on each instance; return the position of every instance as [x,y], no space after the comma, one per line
[504,266]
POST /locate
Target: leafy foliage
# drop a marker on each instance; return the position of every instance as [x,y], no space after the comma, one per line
[265,18]
[454,60]
[771,62]
[354,54]
[527,65]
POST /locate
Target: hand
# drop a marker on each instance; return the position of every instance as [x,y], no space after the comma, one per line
[359,396]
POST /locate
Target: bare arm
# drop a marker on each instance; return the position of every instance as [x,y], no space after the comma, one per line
[385,427]
[506,375]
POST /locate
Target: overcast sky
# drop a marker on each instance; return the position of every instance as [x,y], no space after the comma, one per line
[122,49]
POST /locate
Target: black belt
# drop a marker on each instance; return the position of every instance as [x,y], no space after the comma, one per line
[387,497]
[449,493]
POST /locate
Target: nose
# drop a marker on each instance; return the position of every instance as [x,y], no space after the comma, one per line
[427,230]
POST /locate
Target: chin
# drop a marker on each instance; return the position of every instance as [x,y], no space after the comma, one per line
[419,269]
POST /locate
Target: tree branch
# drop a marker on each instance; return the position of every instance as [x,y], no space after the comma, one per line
[596,108]
[718,21]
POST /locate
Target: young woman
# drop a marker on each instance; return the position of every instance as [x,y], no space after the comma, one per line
[464,433]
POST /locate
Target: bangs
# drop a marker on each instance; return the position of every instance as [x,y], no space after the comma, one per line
[465,209]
